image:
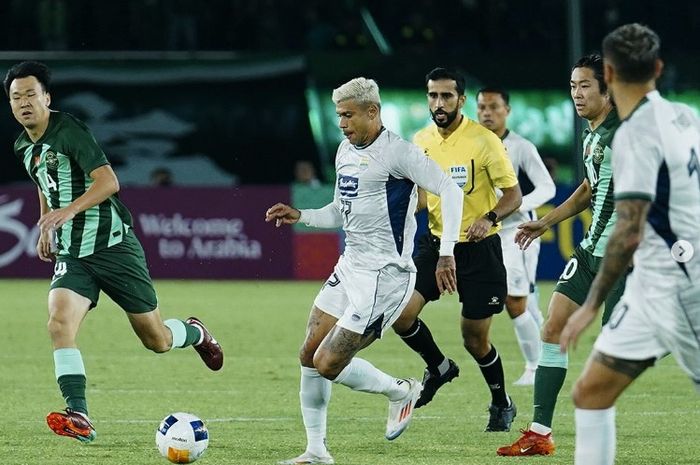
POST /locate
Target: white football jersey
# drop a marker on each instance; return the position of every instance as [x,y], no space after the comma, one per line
[527,161]
[657,153]
[375,201]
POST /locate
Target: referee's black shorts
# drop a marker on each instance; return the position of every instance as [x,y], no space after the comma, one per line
[481,275]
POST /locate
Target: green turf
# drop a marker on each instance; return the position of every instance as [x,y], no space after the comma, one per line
[252,407]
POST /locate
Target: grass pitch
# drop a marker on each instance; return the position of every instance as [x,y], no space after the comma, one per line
[251,407]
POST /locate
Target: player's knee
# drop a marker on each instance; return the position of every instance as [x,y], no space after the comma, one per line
[516,306]
[477,346]
[58,327]
[306,357]
[579,394]
[551,331]
[327,366]
[158,345]
[403,324]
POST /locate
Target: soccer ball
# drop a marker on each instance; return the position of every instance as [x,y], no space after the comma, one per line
[182,437]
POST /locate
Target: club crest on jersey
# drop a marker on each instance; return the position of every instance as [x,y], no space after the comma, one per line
[459,175]
[51,159]
[348,185]
[598,154]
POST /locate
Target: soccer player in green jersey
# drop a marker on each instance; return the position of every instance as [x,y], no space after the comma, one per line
[593,103]
[87,231]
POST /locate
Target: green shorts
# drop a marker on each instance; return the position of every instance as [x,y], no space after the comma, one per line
[120,271]
[577,277]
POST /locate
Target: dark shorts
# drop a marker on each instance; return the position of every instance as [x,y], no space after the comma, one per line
[119,271]
[578,275]
[481,276]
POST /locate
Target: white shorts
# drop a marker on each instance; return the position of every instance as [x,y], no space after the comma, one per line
[521,265]
[645,326]
[365,301]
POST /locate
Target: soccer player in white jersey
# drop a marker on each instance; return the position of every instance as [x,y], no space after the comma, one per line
[375,199]
[537,186]
[657,198]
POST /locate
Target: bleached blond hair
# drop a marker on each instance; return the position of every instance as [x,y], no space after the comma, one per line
[361,90]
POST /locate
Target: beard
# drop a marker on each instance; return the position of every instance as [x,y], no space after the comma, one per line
[449,117]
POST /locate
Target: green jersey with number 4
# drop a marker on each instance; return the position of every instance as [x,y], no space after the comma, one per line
[597,160]
[60,163]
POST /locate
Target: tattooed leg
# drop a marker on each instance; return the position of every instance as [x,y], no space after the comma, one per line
[604,379]
[317,328]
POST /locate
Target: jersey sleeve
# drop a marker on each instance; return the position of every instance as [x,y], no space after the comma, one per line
[544,188]
[83,147]
[637,157]
[416,166]
[498,165]
[328,216]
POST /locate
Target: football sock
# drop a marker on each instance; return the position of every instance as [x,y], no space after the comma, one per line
[549,378]
[533,305]
[595,437]
[492,369]
[420,339]
[528,335]
[70,375]
[315,394]
[360,375]
[184,334]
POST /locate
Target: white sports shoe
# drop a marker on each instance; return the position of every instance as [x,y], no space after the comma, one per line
[527,378]
[309,458]
[401,411]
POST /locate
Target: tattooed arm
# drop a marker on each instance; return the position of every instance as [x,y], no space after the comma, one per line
[631,215]
[624,240]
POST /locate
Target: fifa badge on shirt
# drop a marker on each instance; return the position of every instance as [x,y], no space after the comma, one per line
[459,175]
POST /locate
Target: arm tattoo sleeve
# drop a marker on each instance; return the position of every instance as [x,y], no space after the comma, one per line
[631,215]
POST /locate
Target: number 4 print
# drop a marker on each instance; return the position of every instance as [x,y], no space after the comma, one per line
[50,183]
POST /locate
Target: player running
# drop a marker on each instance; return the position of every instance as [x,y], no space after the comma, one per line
[87,231]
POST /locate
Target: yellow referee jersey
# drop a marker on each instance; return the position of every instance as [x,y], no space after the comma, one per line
[476,159]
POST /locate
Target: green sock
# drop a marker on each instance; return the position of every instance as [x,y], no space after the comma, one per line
[549,378]
[193,335]
[73,390]
[70,375]
[184,334]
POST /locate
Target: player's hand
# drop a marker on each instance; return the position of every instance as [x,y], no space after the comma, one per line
[528,232]
[56,218]
[578,321]
[282,214]
[478,229]
[445,274]
[44,246]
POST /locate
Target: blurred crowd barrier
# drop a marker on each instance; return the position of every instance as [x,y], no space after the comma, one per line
[220,233]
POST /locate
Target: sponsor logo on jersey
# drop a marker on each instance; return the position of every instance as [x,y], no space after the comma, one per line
[459,175]
[348,185]
[598,154]
[51,159]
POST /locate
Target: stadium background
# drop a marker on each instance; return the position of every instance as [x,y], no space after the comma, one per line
[229,95]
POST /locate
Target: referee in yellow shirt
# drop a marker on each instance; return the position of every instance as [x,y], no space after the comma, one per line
[476,159]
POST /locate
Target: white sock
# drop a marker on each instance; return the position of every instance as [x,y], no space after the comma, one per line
[540,429]
[360,375]
[533,307]
[528,335]
[595,437]
[315,393]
